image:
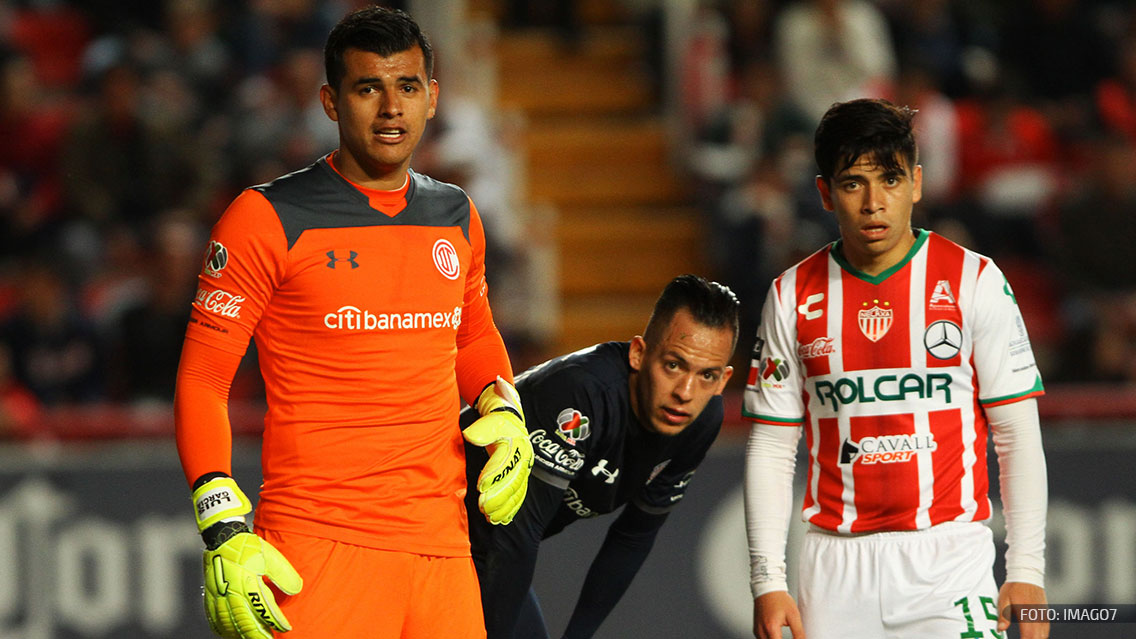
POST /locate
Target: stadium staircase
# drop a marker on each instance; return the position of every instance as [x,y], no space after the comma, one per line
[595,149]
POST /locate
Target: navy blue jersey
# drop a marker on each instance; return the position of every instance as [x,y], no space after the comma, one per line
[592,457]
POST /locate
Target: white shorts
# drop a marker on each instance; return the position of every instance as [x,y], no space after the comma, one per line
[937,582]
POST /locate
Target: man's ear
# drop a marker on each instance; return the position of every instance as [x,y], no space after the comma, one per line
[726,375]
[917,183]
[825,192]
[636,353]
[327,99]
[433,99]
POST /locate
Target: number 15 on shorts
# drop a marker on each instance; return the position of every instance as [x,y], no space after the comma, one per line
[989,609]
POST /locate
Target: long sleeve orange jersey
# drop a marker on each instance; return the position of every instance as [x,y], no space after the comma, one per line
[371,320]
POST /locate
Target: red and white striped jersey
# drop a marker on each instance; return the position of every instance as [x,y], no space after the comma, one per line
[889,376]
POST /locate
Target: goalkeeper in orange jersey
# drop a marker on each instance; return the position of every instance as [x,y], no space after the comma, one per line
[363,285]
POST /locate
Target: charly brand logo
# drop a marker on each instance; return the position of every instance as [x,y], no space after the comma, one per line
[570,460]
[807,309]
[572,425]
[334,259]
[351,318]
[220,302]
[875,322]
[943,339]
[886,449]
[216,258]
[446,259]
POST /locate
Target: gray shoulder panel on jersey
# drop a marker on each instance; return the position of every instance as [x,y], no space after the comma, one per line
[317,197]
[551,479]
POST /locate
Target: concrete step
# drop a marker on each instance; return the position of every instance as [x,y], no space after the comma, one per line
[532,49]
[629,183]
[618,251]
[572,91]
[602,74]
[592,319]
[588,12]
[595,141]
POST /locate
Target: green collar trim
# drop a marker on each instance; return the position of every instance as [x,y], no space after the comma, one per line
[921,236]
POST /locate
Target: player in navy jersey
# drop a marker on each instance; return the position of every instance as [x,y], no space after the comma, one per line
[618,424]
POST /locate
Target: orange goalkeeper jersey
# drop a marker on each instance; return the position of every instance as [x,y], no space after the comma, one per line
[360,303]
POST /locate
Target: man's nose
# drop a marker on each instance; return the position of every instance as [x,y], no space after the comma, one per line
[873,199]
[391,104]
[684,388]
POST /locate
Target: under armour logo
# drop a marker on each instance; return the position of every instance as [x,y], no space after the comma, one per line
[602,468]
[335,260]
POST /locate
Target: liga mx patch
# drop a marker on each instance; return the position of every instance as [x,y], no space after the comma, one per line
[572,425]
[775,369]
[216,259]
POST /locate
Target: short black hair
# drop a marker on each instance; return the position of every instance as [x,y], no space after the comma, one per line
[709,303]
[869,128]
[377,30]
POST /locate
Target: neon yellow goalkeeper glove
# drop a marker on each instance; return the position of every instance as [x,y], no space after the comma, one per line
[238,604]
[501,428]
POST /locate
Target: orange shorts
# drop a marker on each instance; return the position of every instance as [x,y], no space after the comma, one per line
[353,592]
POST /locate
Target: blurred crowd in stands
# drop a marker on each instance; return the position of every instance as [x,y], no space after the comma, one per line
[127,127]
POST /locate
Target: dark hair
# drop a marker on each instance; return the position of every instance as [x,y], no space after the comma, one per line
[377,30]
[873,129]
[709,303]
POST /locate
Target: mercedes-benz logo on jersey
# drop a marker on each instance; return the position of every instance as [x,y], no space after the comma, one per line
[943,339]
[216,258]
[446,259]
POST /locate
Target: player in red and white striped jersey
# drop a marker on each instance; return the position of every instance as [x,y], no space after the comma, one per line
[896,351]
